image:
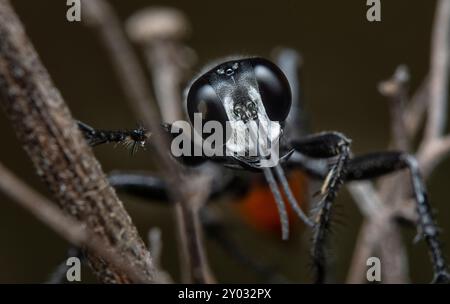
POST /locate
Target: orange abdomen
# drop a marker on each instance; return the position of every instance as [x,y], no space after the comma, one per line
[258,207]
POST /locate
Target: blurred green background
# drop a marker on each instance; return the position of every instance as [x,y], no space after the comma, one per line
[344,58]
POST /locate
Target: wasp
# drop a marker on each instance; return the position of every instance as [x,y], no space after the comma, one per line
[253,96]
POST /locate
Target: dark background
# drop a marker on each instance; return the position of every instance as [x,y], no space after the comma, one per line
[345,57]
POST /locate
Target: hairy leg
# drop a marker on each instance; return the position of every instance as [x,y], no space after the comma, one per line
[377,164]
[325,145]
[131,138]
[374,165]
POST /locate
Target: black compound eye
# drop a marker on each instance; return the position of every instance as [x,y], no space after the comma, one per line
[203,99]
[274,89]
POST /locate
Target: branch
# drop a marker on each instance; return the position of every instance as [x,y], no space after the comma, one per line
[68,228]
[416,108]
[160,32]
[60,154]
[183,190]
[439,64]
[431,154]
[433,148]
[395,89]
[155,245]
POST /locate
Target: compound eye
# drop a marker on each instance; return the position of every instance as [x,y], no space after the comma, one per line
[274,89]
[203,99]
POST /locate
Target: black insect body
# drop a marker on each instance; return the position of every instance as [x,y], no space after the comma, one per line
[254,96]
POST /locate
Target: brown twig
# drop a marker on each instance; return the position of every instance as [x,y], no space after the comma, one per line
[184,190]
[439,64]
[380,198]
[68,228]
[395,89]
[392,189]
[155,246]
[60,154]
[160,32]
[415,110]
[433,148]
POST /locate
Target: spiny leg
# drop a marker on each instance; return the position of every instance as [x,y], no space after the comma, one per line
[139,184]
[377,164]
[131,138]
[325,145]
[151,187]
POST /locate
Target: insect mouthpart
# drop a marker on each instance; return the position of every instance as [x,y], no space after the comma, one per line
[255,142]
[245,111]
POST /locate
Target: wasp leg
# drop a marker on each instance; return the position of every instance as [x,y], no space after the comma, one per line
[147,186]
[374,165]
[131,138]
[135,138]
[325,145]
[140,185]
[378,164]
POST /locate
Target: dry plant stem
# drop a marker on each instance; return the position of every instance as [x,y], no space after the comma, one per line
[378,228]
[160,32]
[416,108]
[365,244]
[155,246]
[435,145]
[393,254]
[433,148]
[392,188]
[166,76]
[157,31]
[59,152]
[162,54]
[101,15]
[395,89]
[41,208]
[67,227]
[379,199]
[439,64]
[433,153]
